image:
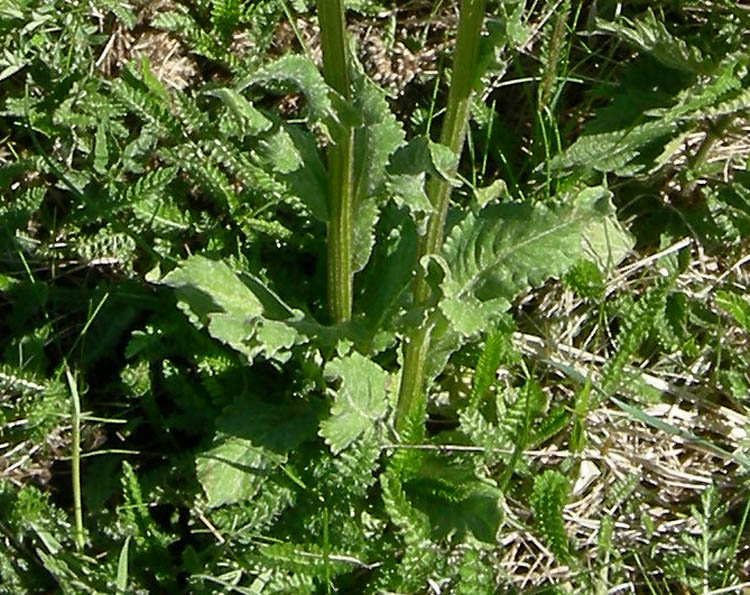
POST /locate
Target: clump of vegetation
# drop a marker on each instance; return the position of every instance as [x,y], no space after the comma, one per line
[354,297]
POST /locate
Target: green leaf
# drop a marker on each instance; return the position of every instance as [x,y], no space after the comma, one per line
[309,181]
[475,576]
[409,190]
[251,121]
[213,296]
[225,14]
[496,346]
[412,523]
[365,218]
[613,151]
[234,470]
[387,279]
[607,242]
[508,248]
[276,426]
[121,582]
[299,73]
[736,305]
[359,402]
[650,35]
[422,155]
[269,338]
[696,101]
[206,286]
[547,502]
[469,315]
[492,257]
[478,513]
[454,499]
[153,84]
[101,153]
[492,193]
[374,141]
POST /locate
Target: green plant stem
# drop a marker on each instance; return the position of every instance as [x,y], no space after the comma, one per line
[340,164]
[340,227]
[452,135]
[75,462]
[714,134]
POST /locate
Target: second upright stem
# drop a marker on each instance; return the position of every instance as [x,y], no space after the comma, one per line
[452,135]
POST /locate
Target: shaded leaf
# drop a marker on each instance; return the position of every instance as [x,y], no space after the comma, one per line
[275,426]
[455,500]
[650,35]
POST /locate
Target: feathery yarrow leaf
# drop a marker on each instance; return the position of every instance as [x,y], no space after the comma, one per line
[547,502]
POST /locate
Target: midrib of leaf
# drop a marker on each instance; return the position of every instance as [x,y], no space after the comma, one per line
[505,254]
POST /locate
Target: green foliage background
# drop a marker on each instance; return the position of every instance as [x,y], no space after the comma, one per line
[162,236]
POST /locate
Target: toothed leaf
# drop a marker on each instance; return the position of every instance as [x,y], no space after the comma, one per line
[359,402]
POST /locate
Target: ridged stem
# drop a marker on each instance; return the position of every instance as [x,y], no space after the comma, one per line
[340,159]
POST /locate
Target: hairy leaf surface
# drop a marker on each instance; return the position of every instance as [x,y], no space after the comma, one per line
[213,296]
[359,402]
[650,35]
[234,470]
[492,257]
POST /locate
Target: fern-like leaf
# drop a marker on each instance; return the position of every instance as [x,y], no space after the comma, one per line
[192,117]
[419,556]
[248,120]
[497,346]
[225,14]
[650,35]
[474,576]
[547,502]
[194,161]
[136,97]
[634,329]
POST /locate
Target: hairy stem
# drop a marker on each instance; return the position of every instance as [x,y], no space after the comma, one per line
[340,164]
[452,135]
